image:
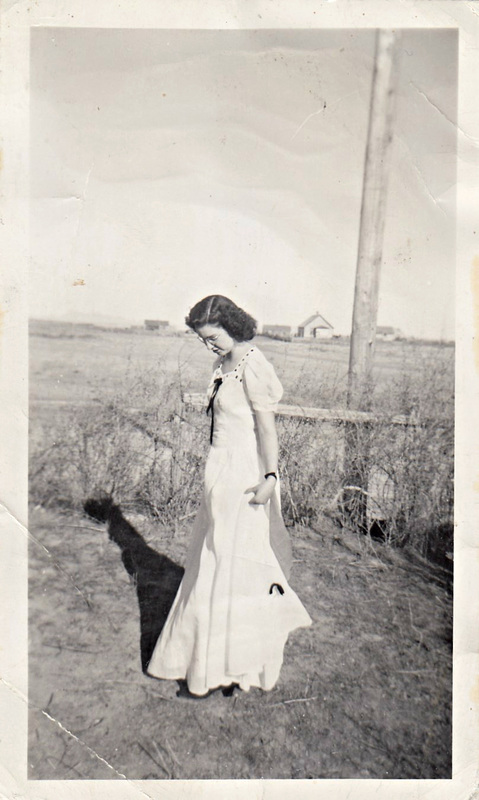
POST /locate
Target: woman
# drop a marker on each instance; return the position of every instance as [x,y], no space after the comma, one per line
[234,608]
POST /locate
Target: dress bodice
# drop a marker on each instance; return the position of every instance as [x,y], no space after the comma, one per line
[251,386]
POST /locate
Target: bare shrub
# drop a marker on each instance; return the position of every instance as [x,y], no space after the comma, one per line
[395,479]
[311,459]
[91,451]
[419,458]
[145,448]
[139,448]
[407,471]
[322,389]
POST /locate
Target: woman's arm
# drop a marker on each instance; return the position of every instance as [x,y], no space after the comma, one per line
[268,447]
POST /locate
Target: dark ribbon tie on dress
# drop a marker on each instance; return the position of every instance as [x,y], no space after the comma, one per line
[211,405]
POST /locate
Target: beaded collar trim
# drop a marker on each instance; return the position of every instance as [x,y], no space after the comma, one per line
[235,371]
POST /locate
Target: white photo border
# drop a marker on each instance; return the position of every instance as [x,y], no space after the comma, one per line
[18,20]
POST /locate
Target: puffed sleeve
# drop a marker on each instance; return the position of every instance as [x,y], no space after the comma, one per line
[261,383]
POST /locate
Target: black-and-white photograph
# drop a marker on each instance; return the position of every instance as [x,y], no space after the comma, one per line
[241,442]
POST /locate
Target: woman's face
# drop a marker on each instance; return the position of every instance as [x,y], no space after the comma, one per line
[216,339]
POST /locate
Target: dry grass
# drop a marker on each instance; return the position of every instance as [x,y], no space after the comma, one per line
[142,446]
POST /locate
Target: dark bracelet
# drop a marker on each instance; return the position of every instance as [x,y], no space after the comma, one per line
[273,475]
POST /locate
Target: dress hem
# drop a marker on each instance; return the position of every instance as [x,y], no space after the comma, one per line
[245,680]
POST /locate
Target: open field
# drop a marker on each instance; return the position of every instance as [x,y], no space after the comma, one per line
[74,362]
[365,692]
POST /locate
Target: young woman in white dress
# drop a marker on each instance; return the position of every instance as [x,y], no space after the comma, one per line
[234,608]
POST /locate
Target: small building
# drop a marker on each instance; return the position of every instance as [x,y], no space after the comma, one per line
[386,333]
[155,324]
[277,331]
[316,327]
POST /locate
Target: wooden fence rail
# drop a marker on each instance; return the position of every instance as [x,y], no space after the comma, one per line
[197,400]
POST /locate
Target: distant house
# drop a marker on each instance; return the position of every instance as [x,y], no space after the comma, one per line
[155,324]
[278,331]
[386,333]
[316,327]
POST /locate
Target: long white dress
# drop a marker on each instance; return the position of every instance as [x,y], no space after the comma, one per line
[234,608]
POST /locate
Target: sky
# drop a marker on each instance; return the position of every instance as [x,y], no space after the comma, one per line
[169,165]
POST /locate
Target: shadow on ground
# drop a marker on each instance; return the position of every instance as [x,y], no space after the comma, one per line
[156,576]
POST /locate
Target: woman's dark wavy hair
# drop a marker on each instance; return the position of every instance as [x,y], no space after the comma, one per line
[219,310]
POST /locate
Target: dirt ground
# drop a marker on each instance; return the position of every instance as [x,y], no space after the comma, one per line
[364,693]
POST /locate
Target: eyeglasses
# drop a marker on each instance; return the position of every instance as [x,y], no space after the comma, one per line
[208,340]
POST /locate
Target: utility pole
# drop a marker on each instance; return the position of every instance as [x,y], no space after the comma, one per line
[370,250]
[373,216]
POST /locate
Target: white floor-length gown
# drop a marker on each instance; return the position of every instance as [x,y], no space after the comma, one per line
[234,608]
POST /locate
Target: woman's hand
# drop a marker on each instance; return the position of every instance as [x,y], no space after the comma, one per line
[262,492]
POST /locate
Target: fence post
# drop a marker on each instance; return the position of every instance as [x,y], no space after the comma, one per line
[370,247]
